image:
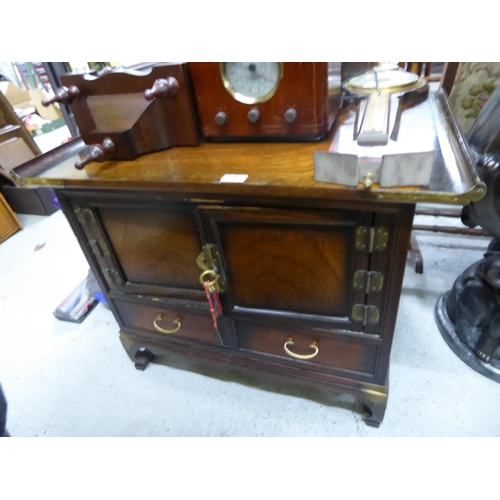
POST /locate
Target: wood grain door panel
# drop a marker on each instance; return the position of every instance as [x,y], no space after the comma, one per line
[298,269]
[158,246]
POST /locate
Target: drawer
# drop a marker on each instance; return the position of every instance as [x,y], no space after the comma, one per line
[176,322]
[310,349]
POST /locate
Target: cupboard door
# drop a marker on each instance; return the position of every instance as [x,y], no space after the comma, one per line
[145,247]
[154,245]
[288,264]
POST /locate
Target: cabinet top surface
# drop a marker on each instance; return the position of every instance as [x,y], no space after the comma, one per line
[273,169]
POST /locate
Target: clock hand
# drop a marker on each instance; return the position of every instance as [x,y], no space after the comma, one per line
[253,68]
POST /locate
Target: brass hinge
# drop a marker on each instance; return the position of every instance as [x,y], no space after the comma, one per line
[209,260]
[369,281]
[99,248]
[372,239]
[113,276]
[85,216]
[366,314]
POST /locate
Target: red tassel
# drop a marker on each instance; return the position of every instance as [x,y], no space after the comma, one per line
[213,302]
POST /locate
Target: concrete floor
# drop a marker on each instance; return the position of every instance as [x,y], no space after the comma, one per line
[64,379]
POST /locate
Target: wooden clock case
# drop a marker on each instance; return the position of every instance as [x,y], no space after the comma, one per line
[312,89]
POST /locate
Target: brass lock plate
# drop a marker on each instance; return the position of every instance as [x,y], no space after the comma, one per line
[210,260]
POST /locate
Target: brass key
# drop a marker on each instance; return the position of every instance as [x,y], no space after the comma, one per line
[212,286]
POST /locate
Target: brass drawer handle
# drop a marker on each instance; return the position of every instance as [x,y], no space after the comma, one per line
[300,356]
[177,322]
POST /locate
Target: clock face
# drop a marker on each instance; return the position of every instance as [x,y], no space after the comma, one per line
[251,82]
[383,80]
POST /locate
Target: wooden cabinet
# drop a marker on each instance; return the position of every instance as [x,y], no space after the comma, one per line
[310,291]
[309,272]
[9,223]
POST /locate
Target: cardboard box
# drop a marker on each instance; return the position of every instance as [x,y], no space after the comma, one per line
[52,112]
[17,97]
[30,100]
[14,152]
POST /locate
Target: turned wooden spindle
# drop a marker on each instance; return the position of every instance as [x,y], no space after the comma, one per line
[162,87]
[98,152]
[62,94]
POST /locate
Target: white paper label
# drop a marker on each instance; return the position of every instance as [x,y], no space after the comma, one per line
[234,178]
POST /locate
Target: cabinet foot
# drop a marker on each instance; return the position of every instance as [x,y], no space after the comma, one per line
[144,357]
[374,406]
[140,356]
